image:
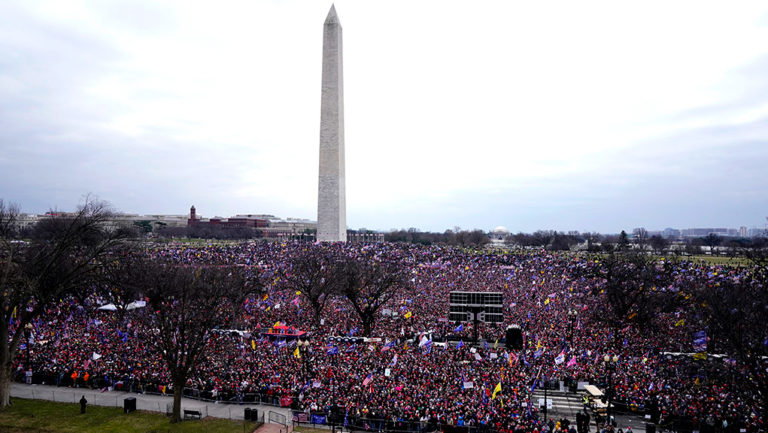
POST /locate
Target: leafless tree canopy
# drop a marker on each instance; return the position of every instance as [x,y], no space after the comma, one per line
[369,283]
[184,305]
[65,256]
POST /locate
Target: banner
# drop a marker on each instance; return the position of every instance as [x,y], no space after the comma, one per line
[700,341]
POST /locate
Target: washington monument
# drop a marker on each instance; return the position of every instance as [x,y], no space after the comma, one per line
[331,198]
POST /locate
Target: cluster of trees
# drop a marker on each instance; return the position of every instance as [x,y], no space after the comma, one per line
[551,239]
[638,241]
[64,256]
[84,253]
[635,290]
[449,237]
[320,272]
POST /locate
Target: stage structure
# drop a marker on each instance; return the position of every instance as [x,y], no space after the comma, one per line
[486,307]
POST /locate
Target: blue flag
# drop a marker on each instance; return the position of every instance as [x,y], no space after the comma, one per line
[333,350]
[459,328]
[460,345]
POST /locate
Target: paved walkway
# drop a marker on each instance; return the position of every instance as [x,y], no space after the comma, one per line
[153,403]
[274,428]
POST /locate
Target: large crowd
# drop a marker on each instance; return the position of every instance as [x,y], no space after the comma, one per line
[407,374]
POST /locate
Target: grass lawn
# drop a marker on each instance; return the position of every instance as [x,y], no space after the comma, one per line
[721,260]
[47,417]
[300,429]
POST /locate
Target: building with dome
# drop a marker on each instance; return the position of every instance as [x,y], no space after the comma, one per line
[499,235]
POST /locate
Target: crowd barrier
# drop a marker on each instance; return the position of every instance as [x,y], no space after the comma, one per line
[135,386]
[355,424]
[679,425]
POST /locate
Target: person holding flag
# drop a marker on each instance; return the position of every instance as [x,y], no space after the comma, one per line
[559,359]
[496,390]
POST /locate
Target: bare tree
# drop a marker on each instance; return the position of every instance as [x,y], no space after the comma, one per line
[735,315]
[712,240]
[629,287]
[66,255]
[592,239]
[640,236]
[314,271]
[369,283]
[659,244]
[184,305]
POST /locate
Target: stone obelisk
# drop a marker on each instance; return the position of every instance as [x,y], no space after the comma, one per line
[331,199]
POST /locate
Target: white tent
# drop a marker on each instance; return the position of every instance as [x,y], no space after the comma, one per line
[136,304]
[108,307]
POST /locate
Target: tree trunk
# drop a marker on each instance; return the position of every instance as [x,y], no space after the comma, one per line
[178,388]
[367,325]
[5,386]
[6,365]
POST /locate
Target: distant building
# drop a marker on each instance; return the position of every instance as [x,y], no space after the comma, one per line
[701,232]
[235,221]
[499,235]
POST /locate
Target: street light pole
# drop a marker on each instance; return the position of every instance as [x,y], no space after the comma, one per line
[610,365]
[546,385]
[28,331]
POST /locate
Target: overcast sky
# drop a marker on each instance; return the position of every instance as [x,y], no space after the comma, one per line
[590,116]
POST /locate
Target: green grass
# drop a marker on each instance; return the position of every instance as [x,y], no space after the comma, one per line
[720,260]
[300,429]
[35,416]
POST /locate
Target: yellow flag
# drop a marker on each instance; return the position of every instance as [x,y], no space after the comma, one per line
[298,292]
[680,322]
[14,313]
[296,353]
[496,344]
[700,356]
[276,324]
[253,344]
[266,296]
[408,315]
[546,301]
[496,391]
